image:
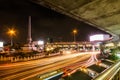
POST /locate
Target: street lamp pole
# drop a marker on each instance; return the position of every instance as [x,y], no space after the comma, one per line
[74,37]
[11,32]
[74,34]
[11,41]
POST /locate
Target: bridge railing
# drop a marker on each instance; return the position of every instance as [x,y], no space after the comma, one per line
[110,73]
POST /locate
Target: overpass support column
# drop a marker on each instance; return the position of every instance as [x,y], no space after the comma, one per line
[93,47]
[102,47]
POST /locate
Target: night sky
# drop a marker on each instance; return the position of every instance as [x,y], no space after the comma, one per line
[46,23]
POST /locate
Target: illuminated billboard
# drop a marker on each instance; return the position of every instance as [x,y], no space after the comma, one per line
[1,44]
[99,37]
[40,42]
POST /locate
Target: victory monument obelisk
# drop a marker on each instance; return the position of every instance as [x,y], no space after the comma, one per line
[29,31]
[29,46]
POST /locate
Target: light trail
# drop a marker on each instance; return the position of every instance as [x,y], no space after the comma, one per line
[72,68]
[38,66]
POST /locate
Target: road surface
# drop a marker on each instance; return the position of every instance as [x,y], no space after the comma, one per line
[26,70]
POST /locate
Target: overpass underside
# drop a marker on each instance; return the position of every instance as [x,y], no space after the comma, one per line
[103,14]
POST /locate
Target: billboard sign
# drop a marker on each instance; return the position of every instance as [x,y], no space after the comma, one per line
[99,37]
[1,44]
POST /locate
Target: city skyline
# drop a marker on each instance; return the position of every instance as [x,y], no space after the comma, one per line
[46,23]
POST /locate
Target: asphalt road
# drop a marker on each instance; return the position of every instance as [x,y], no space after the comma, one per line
[26,70]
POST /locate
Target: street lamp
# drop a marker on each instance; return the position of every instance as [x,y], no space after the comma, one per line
[75,32]
[11,32]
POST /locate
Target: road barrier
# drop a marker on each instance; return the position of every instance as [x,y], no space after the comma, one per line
[112,73]
[18,59]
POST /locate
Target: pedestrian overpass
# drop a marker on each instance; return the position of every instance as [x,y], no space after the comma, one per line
[102,14]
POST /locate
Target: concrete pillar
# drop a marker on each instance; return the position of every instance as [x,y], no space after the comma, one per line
[93,47]
[84,47]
